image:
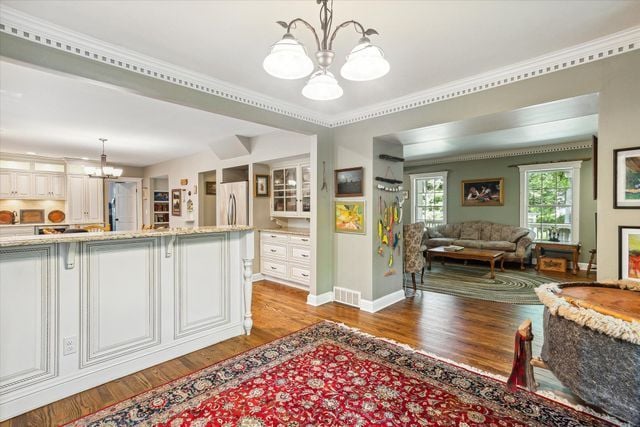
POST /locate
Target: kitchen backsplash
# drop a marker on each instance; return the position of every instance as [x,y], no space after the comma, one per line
[47,205]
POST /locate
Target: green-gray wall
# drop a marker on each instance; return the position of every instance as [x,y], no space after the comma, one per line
[510,212]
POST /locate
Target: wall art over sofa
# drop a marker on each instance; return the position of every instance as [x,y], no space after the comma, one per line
[483,192]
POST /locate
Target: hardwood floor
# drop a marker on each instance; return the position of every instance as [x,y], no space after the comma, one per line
[474,332]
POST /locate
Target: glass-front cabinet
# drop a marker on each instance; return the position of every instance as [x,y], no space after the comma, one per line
[291,191]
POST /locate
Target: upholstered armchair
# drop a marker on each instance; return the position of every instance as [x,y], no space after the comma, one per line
[413,258]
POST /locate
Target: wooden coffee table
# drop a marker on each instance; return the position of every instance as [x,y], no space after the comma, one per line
[468,254]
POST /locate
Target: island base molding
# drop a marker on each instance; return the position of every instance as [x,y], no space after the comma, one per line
[73,319]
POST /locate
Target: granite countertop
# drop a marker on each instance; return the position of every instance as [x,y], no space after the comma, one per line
[112,235]
[296,231]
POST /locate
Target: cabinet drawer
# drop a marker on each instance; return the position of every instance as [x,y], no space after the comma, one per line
[278,251]
[300,240]
[274,267]
[274,237]
[299,253]
[17,231]
[299,274]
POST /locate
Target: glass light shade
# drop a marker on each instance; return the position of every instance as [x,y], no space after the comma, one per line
[117,172]
[288,60]
[322,86]
[107,170]
[90,170]
[365,62]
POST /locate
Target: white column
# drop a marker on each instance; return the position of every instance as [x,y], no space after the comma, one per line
[248,290]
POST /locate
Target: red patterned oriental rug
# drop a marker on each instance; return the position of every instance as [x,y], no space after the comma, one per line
[332,375]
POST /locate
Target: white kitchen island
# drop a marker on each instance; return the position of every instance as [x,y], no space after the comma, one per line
[79,310]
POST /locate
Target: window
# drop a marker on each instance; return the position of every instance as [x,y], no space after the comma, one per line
[429,198]
[549,200]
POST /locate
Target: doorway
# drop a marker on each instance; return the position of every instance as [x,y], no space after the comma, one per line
[207,198]
[123,205]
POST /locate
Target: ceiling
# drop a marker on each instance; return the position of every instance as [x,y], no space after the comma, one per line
[63,116]
[567,120]
[428,43]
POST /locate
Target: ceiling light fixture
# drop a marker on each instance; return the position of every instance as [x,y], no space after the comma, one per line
[104,171]
[288,58]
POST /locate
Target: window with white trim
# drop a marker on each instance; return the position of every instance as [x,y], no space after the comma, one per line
[550,200]
[429,198]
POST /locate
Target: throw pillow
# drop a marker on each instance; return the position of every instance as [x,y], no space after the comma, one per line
[434,234]
[517,234]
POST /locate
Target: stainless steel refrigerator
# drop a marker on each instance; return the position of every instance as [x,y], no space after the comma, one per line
[233,203]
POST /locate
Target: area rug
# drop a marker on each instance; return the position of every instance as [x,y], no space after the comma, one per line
[332,375]
[473,281]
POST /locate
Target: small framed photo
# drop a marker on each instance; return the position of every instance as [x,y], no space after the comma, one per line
[210,188]
[262,186]
[348,182]
[349,217]
[629,252]
[176,202]
[483,192]
[626,183]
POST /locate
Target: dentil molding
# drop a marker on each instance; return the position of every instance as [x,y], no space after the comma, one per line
[25,26]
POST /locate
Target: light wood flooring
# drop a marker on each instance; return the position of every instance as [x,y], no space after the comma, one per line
[474,332]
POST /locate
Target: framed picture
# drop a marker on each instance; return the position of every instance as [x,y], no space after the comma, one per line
[626,182]
[262,186]
[349,217]
[483,192]
[210,188]
[348,182]
[176,202]
[629,252]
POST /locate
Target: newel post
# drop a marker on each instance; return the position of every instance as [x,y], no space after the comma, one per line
[248,291]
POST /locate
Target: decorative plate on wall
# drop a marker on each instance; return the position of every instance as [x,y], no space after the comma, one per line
[6,217]
[56,216]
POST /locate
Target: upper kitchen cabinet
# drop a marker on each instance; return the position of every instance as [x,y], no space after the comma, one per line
[23,178]
[85,201]
[291,191]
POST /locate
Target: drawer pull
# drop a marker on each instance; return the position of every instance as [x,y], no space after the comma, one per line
[304,255]
[274,268]
[272,250]
[304,275]
[274,237]
[305,240]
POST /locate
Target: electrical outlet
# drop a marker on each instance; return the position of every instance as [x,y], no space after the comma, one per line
[69,345]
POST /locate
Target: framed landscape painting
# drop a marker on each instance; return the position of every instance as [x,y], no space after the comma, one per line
[348,182]
[262,186]
[626,166]
[349,217]
[483,192]
[176,202]
[629,252]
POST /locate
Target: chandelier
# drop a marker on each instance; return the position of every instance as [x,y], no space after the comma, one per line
[288,58]
[103,171]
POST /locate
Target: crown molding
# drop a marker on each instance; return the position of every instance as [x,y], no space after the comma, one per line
[604,47]
[25,26]
[538,149]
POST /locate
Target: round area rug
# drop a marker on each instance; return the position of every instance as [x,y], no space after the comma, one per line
[473,281]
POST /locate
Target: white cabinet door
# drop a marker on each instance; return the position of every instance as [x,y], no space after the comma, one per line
[6,185]
[42,186]
[23,187]
[58,187]
[94,200]
[75,201]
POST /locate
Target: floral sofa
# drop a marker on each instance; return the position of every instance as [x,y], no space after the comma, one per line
[514,241]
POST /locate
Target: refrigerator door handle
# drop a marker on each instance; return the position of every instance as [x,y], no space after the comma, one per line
[229,207]
[235,210]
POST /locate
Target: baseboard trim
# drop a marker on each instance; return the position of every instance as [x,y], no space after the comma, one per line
[285,282]
[382,302]
[316,300]
[257,277]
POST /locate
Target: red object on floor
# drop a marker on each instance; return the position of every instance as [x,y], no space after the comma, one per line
[329,375]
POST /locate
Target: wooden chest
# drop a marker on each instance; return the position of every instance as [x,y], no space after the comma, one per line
[553,264]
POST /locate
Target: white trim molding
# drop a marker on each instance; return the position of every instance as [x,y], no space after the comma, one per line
[22,25]
[538,149]
[574,166]
[416,176]
[382,302]
[316,300]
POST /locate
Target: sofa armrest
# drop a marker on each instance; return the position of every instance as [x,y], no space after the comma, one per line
[523,245]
